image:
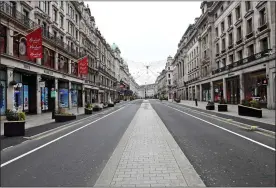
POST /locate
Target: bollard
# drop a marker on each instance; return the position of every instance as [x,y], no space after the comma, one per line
[196,102]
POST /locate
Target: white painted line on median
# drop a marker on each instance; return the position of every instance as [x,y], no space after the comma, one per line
[249,139]
[42,146]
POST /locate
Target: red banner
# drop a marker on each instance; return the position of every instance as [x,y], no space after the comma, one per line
[34,44]
[83,65]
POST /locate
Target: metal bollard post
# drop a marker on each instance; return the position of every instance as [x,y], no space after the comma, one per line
[196,102]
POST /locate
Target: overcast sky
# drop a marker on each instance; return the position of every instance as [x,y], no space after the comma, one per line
[146,32]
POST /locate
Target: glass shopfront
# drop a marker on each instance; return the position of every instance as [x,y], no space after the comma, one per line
[233,90]
[3,92]
[63,94]
[47,103]
[206,92]
[255,86]
[76,95]
[218,90]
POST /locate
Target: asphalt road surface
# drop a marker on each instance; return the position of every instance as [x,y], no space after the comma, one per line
[222,153]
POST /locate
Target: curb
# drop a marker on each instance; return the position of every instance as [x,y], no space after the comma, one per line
[240,123]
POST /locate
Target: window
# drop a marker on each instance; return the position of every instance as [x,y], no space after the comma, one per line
[223,62]
[3,39]
[38,21]
[222,27]
[264,44]
[61,38]
[217,32]
[61,21]
[239,53]
[231,58]
[216,15]
[223,44]
[26,16]
[55,34]
[247,5]
[250,50]
[54,14]
[205,54]
[169,75]
[217,64]
[249,26]
[238,12]
[239,33]
[229,20]
[77,34]
[168,68]
[42,5]
[230,39]
[62,5]
[262,17]
[217,48]
[76,19]
[221,9]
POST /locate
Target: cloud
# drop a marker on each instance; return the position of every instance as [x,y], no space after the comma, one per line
[146,32]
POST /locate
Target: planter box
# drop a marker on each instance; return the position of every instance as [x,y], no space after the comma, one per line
[110,105]
[88,111]
[14,128]
[63,118]
[210,107]
[177,100]
[96,109]
[249,111]
[222,107]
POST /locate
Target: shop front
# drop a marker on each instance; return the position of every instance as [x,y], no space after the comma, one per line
[206,92]
[46,85]
[218,90]
[255,87]
[24,90]
[233,90]
[76,95]
[3,92]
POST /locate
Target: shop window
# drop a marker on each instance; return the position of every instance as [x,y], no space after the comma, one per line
[264,44]
[48,59]
[238,12]
[19,47]
[262,19]
[250,50]
[3,39]
[62,64]
[229,17]
[249,26]
[3,93]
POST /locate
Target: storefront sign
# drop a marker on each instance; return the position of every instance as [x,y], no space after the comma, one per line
[48,72]
[42,84]
[27,67]
[34,44]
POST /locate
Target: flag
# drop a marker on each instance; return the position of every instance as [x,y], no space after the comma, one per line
[34,44]
[83,65]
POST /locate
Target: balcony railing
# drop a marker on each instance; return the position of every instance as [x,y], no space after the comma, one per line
[10,11]
[248,36]
[239,42]
[230,46]
[243,61]
[263,27]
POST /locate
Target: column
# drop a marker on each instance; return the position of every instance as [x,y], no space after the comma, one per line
[70,94]
[241,87]
[10,89]
[200,92]
[224,89]
[56,60]
[38,94]
[212,91]
[57,94]
[10,41]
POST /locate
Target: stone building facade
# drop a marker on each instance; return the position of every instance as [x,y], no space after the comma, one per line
[229,52]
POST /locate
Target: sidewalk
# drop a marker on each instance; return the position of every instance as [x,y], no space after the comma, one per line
[268,115]
[148,156]
[41,119]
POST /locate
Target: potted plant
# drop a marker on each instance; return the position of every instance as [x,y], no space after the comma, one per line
[222,106]
[110,104]
[97,107]
[88,109]
[210,106]
[15,125]
[62,116]
[250,108]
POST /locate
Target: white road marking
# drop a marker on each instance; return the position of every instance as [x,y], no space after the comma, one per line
[42,146]
[249,139]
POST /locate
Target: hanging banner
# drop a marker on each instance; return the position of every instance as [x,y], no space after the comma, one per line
[34,44]
[83,65]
